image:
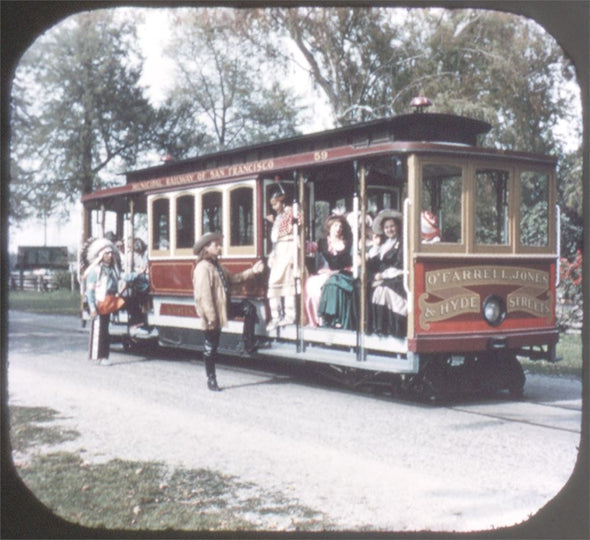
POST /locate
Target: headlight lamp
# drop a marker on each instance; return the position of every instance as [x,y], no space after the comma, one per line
[493,310]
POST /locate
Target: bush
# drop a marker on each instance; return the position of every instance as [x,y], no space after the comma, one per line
[570,301]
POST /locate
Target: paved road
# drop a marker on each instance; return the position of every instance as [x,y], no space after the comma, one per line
[366,462]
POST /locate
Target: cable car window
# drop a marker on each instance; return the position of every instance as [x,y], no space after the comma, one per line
[534,209]
[442,186]
[185,221]
[381,198]
[212,212]
[242,220]
[491,206]
[161,224]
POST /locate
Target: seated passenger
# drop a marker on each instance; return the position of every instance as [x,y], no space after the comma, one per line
[429,227]
[333,253]
[336,308]
[389,309]
[137,284]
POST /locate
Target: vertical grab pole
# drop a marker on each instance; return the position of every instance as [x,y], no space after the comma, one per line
[102,220]
[557,245]
[355,237]
[362,326]
[301,246]
[129,259]
[296,265]
[86,233]
[406,268]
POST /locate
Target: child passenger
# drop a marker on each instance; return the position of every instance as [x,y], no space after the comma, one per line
[281,281]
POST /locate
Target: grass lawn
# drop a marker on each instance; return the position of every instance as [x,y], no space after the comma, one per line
[139,495]
[59,302]
[569,350]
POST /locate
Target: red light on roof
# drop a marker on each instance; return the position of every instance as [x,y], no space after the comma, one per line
[419,103]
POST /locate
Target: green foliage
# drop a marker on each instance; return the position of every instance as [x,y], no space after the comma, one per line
[570,298]
[78,112]
[570,198]
[223,87]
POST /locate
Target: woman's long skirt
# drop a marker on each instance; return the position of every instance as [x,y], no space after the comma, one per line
[389,308]
[313,293]
[337,307]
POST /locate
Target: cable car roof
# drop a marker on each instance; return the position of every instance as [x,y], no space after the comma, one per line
[414,127]
[414,132]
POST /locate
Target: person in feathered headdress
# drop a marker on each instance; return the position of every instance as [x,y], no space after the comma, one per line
[102,280]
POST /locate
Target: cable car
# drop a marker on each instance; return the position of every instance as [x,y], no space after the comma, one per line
[479,235]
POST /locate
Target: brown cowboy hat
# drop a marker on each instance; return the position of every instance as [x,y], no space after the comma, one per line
[382,216]
[205,240]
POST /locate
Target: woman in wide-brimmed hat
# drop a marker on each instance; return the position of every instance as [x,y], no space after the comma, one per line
[385,264]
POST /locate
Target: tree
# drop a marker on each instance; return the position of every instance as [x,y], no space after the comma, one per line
[494,66]
[78,112]
[499,68]
[234,93]
[370,62]
[349,53]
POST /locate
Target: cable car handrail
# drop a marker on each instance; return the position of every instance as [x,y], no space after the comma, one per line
[557,245]
[406,221]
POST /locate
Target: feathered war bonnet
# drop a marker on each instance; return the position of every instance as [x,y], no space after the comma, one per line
[96,250]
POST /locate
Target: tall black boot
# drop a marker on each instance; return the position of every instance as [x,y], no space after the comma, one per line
[250,319]
[211,377]
[212,384]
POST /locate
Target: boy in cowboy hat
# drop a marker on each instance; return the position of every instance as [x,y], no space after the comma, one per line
[211,284]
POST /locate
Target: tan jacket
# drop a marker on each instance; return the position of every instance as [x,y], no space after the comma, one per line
[209,294]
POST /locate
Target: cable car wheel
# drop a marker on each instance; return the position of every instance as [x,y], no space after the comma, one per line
[514,376]
[433,381]
[443,376]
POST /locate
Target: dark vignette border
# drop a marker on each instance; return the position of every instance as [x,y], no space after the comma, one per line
[23,516]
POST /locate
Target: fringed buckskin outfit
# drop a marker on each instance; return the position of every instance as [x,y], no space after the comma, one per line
[211,285]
